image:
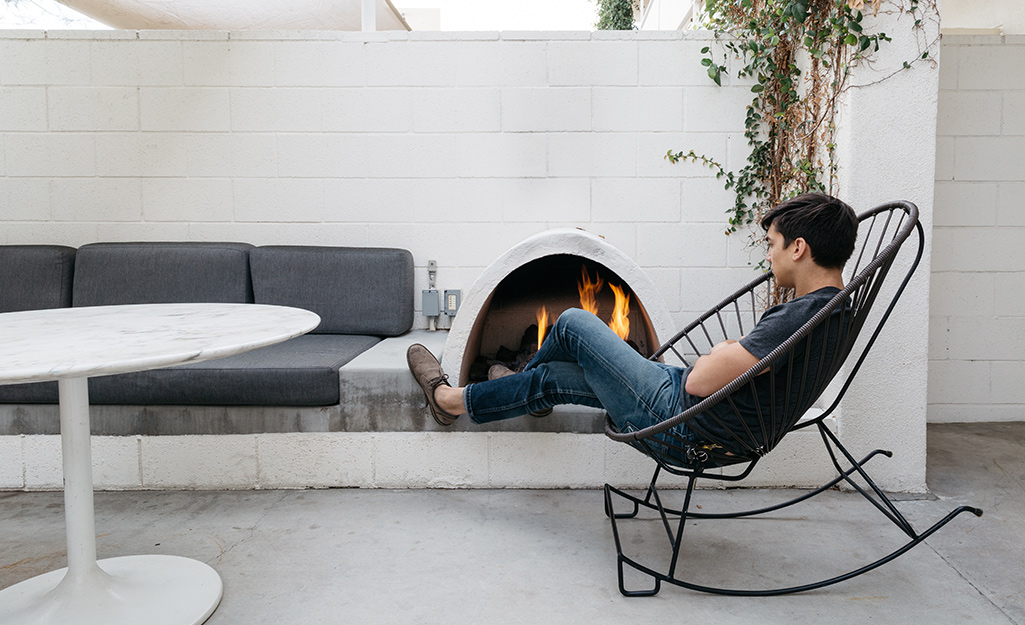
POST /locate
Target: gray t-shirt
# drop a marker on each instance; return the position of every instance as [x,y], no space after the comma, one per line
[776,325]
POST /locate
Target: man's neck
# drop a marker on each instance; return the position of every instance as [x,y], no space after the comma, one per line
[819,278]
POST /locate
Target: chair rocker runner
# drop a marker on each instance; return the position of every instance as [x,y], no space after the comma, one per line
[801,369]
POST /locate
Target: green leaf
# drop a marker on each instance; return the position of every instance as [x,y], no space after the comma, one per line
[850,40]
[706,62]
[714,74]
[757,88]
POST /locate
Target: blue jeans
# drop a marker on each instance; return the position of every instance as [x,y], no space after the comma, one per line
[584,362]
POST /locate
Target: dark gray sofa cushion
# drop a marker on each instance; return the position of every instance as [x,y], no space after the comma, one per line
[354,290]
[300,372]
[35,276]
[156,273]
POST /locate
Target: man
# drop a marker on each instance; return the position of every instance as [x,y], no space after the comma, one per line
[582,361]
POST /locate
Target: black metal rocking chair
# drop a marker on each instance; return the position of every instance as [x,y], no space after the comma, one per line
[773,404]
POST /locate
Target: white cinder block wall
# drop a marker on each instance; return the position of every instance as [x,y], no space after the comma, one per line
[977,307]
[454,146]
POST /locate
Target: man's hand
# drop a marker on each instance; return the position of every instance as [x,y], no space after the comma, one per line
[724,363]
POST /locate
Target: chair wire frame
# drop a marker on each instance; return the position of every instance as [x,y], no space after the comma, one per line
[802,369]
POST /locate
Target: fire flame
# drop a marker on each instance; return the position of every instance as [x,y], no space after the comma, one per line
[588,290]
[542,325]
[620,323]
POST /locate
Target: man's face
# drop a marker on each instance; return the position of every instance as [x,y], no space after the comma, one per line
[779,258]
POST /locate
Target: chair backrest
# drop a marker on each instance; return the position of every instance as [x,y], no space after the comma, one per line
[748,417]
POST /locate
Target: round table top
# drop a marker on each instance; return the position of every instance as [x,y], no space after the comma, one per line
[39,345]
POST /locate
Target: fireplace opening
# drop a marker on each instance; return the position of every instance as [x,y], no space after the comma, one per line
[506,329]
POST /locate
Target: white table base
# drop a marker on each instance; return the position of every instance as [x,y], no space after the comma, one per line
[155,590]
[118,591]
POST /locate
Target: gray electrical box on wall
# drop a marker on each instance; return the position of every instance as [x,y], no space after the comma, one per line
[431,305]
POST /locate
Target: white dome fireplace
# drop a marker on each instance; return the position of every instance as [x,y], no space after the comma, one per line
[544,270]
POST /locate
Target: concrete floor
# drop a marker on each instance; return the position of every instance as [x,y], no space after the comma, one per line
[461,556]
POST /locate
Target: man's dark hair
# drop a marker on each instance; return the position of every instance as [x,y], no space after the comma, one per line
[826,224]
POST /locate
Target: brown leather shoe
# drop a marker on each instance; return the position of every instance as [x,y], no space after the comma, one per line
[428,374]
[500,371]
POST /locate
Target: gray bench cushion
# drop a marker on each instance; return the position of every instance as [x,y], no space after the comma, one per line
[354,290]
[155,273]
[299,372]
[35,276]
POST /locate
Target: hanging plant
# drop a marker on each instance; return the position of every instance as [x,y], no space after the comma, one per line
[800,54]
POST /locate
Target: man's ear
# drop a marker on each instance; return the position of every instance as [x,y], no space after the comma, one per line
[801,249]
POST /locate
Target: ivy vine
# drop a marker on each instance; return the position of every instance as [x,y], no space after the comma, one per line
[799,54]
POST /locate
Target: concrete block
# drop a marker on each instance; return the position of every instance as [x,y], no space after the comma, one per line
[322,460]
[457,110]
[636,199]
[969,113]
[136,63]
[680,245]
[277,110]
[397,200]
[705,200]
[625,109]
[716,109]
[999,338]
[536,200]
[944,158]
[368,110]
[1008,300]
[187,199]
[114,231]
[50,154]
[546,109]
[1011,204]
[192,109]
[960,382]
[23,108]
[44,469]
[32,232]
[546,460]
[1007,387]
[234,155]
[965,204]
[939,337]
[247,63]
[511,64]
[978,249]
[12,464]
[25,199]
[281,233]
[673,62]
[322,155]
[320,64]
[990,67]
[431,460]
[208,462]
[1014,121]
[592,63]
[501,155]
[587,154]
[278,200]
[93,108]
[96,199]
[950,58]
[183,35]
[46,62]
[141,154]
[116,462]
[705,287]
[962,294]
[413,155]
[413,64]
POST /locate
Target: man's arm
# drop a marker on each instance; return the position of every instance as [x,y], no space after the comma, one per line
[724,363]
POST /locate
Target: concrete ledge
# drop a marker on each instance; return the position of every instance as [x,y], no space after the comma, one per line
[375,460]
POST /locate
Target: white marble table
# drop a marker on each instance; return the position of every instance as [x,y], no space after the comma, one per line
[70,345]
